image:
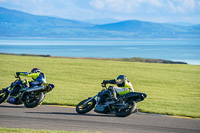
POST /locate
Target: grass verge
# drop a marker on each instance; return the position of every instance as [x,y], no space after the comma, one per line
[22,130]
[172,89]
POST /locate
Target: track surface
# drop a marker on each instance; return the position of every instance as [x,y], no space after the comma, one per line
[65,118]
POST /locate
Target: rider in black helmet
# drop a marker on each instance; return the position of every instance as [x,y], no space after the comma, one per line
[124,86]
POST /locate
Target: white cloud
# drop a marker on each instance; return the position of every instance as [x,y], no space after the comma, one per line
[158,10]
[189,4]
[157,3]
[98,4]
[182,6]
[126,6]
[198,6]
[132,6]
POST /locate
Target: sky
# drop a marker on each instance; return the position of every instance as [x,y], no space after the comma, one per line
[161,11]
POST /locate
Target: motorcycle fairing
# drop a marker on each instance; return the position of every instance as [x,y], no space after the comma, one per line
[101,109]
[13,100]
[136,96]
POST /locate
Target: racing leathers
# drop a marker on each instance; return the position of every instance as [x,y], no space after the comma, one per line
[123,87]
[38,78]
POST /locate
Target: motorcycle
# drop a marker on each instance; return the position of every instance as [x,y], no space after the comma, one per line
[122,106]
[19,93]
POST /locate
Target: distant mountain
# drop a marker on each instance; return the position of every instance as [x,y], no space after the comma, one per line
[182,23]
[196,27]
[138,26]
[152,30]
[19,24]
[21,18]
[102,21]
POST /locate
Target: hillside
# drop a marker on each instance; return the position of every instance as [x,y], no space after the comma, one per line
[140,28]
[24,19]
[19,24]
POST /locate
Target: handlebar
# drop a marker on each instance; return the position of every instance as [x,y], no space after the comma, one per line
[103,85]
[17,76]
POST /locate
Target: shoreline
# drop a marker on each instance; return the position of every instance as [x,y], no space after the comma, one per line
[133,59]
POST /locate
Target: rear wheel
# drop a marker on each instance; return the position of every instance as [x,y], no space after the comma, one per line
[127,110]
[82,108]
[33,100]
[3,95]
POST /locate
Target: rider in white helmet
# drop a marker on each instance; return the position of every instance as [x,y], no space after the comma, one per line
[37,76]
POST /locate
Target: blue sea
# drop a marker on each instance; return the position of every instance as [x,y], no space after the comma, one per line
[175,50]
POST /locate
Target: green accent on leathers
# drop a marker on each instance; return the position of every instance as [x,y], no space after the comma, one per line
[126,85]
[126,88]
[124,92]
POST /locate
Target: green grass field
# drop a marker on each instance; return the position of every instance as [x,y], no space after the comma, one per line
[171,89]
[22,130]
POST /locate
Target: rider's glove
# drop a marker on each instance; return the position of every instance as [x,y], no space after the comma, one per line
[17,73]
[105,81]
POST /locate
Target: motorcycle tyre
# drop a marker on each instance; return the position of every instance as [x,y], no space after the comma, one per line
[89,108]
[36,103]
[127,113]
[5,97]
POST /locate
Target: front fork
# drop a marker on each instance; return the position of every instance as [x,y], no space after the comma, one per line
[5,89]
[86,102]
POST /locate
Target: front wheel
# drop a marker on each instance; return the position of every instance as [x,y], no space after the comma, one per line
[82,108]
[33,100]
[125,111]
[3,95]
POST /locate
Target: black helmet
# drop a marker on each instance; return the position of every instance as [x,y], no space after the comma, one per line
[35,70]
[121,77]
[121,80]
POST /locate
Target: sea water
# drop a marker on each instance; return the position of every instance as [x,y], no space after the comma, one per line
[176,50]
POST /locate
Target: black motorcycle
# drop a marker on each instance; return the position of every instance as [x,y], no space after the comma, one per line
[105,103]
[19,92]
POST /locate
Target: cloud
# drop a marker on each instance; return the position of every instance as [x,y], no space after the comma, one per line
[181,6]
[133,6]
[127,6]
[98,4]
[148,10]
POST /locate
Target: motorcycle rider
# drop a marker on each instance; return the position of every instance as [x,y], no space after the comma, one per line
[124,86]
[37,76]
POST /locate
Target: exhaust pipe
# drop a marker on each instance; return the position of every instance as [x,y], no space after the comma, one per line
[36,88]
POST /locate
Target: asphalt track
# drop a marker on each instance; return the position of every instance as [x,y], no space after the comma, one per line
[66,118]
